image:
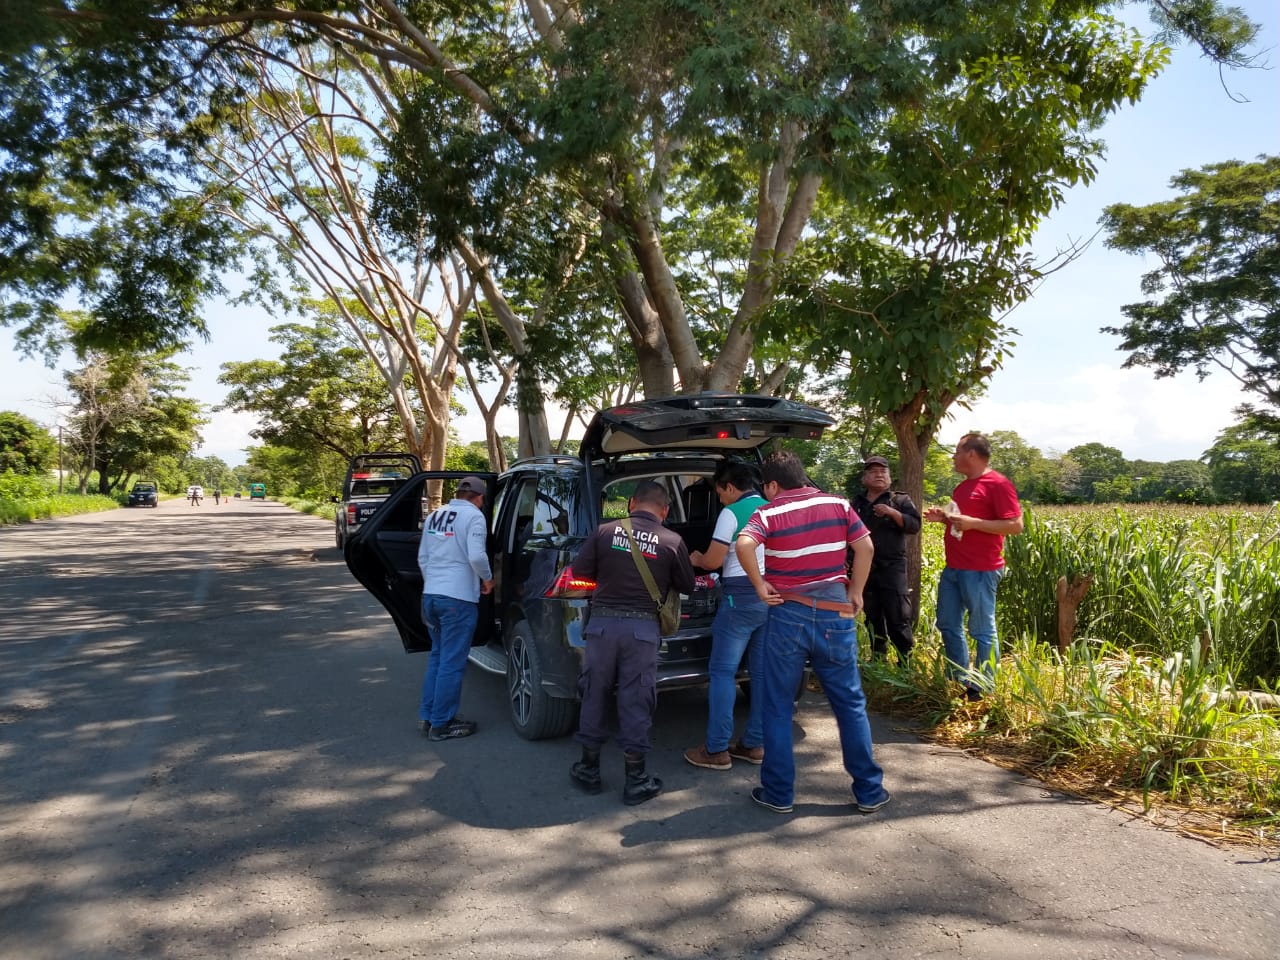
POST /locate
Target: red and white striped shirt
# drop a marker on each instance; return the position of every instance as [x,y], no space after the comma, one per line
[805,533]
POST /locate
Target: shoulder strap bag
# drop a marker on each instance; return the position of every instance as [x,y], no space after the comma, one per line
[669,609]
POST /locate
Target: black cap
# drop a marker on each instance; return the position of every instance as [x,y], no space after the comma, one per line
[471,485]
[875,462]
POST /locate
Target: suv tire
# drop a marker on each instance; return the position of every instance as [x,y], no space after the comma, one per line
[535,714]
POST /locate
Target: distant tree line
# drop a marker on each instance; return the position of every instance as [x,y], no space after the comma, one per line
[1242,466]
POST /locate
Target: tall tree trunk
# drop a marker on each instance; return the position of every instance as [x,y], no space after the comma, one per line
[913,437]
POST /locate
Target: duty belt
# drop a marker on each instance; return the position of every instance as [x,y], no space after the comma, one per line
[597,611]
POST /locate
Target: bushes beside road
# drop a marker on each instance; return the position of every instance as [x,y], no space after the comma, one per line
[25,498]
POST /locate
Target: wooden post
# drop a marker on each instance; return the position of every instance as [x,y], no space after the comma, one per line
[1069,597]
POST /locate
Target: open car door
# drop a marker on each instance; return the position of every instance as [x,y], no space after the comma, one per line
[383,554]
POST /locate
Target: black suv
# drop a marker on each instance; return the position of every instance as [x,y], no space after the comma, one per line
[541,510]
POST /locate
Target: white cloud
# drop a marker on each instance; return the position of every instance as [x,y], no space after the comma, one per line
[1147,419]
[226,436]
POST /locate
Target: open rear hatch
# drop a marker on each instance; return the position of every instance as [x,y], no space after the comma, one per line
[700,421]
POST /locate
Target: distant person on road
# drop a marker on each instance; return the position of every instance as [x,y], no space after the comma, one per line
[891,517]
[738,627]
[454,561]
[984,509]
[622,636]
[812,605]
[217,496]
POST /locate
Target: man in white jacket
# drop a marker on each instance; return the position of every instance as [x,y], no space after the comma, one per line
[454,561]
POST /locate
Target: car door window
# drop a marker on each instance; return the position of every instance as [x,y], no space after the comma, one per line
[526,499]
[554,506]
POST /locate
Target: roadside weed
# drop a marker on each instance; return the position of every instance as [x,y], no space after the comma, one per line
[1150,701]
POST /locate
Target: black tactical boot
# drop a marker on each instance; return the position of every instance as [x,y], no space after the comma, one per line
[640,786]
[586,772]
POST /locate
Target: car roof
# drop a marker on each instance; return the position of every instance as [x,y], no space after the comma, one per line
[700,421]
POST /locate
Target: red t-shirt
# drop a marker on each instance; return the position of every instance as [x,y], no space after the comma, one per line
[988,497]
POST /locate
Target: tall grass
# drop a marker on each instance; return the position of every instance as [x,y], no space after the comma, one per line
[1184,611]
[1165,582]
[25,498]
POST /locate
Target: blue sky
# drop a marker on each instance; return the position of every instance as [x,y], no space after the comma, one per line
[1063,384]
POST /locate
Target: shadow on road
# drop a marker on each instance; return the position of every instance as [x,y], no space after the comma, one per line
[208,749]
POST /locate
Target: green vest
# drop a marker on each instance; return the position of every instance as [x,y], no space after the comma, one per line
[743,508]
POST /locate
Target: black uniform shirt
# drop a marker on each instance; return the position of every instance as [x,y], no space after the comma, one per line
[606,558]
[889,539]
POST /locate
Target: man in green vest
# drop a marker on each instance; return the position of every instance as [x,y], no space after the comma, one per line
[737,629]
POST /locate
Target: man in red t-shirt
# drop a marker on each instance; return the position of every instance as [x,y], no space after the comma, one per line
[984,509]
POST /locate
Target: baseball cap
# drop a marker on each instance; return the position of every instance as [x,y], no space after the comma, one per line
[874,462]
[471,485]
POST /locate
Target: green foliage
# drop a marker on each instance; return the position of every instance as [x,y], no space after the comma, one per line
[1108,721]
[292,473]
[1165,726]
[92,118]
[1098,463]
[27,497]
[470,456]
[323,396]
[1165,582]
[25,446]
[128,410]
[1245,462]
[1214,299]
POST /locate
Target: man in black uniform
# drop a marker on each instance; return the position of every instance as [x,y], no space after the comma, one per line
[891,517]
[622,636]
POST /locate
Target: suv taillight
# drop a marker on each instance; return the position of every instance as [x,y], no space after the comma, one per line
[351,513]
[569,587]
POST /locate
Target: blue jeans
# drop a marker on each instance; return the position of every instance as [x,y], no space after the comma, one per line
[738,628]
[830,642]
[451,624]
[972,592]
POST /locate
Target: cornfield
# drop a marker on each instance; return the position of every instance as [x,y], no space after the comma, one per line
[1167,581]
[1181,621]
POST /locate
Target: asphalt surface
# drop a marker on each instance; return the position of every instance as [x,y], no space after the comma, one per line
[208,750]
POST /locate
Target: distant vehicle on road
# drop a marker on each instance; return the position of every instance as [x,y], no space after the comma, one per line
[195,493]
[371,478]
[145,493]
[257,491]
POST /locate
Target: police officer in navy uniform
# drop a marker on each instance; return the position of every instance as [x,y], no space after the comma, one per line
[622,636]
[891,517]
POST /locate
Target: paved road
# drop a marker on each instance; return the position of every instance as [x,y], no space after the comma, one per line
[207,750]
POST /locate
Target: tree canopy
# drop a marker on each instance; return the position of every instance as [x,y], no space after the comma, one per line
[1213,301]
[126,411]
[25,446]
[322,394]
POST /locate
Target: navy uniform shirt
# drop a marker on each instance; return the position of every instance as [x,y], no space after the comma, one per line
[889,564]
[606,558]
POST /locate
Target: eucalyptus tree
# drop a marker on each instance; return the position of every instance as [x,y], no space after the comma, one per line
[297,169]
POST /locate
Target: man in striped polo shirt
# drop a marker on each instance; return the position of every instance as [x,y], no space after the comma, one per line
[813,602]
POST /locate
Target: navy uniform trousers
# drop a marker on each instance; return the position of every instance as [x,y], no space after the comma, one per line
[621,657]
[887,609]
